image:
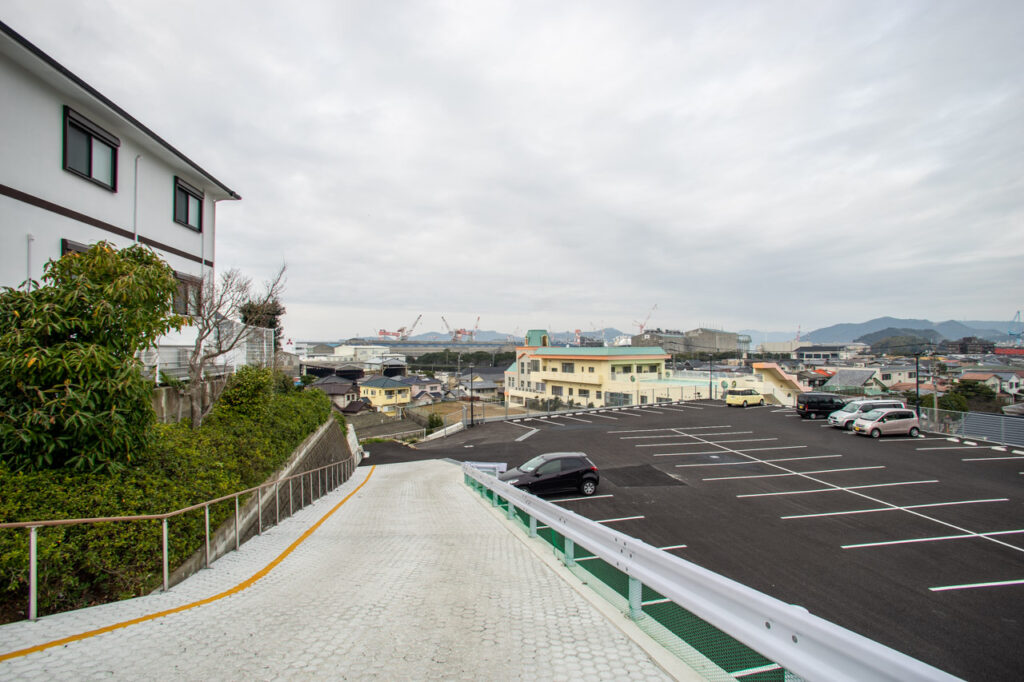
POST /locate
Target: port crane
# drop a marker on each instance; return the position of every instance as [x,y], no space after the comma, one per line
[458,334]
[403,333]
[643,325]
[1016,329]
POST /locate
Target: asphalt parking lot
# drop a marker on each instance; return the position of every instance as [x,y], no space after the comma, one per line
[916,543]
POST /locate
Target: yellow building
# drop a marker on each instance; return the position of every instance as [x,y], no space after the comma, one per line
[585,376]
[384,394]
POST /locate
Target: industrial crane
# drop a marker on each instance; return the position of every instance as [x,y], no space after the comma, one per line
[1016,329]
[403,333]
[458,334]
[643,324]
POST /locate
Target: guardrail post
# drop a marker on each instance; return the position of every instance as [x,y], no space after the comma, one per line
[511,510]
[259,510]
[206,519]
[570,553]
[166,573]
[302,491]
[33,575]
[533,526]
[237,543]
[494,499]
[290,511]
[635,591]
[277,503]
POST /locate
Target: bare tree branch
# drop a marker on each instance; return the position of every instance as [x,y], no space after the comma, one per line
[214,312]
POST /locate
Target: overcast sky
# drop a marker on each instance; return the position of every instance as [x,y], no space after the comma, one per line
[557,164]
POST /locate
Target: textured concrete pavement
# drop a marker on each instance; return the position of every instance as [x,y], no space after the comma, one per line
[412,578]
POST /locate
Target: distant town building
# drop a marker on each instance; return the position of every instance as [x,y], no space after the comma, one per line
[695,341]
[969,345]
[384,394]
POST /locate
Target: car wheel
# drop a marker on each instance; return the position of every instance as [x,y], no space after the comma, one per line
[762,402]
[744,403]
[875,433]
[812,416]
[914,432]
[588,487]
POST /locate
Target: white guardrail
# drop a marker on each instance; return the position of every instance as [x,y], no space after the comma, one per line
[804,644]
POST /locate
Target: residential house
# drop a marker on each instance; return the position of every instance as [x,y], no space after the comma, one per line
[855,381]
[895,374]
[77,168]
[341,391]
[385,394]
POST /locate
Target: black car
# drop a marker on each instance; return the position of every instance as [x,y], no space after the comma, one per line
[555,472]
[814,405]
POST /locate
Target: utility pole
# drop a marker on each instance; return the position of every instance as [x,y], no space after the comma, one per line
[471,395]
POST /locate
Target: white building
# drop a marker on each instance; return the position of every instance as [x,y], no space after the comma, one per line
[76,168]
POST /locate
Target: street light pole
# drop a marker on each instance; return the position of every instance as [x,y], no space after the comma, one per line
[471,395]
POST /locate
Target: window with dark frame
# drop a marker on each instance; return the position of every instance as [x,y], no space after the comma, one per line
[188,205]
[186,298]
[67,246]
[89,150]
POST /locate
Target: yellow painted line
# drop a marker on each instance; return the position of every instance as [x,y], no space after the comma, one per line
[245,584]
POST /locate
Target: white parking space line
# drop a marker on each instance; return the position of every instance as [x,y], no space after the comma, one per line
[680,408]
[681,454]
[587,421]
[951,447]
[647,410]
[621,518]
[756,461]
[837,489]
[777,447]
[893,508]
[802,473]
[577,499]
[970,586]
[937,538]
[903,439]
[988,459]
[630,414]
[742,440]
[602,416]
[674,430]
[665,435]
[527,435]
[782,410]
[672,547]
[543,420]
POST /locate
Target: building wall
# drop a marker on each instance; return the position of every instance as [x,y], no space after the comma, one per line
[31,162]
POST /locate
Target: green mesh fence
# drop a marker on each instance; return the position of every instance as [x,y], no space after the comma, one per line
[707,649]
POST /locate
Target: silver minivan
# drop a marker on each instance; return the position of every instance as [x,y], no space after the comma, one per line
[878,423]
[844,417]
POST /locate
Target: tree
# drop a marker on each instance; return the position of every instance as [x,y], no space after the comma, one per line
[213,309]
[71,388]
[266,315]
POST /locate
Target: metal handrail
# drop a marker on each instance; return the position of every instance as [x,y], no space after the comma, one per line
[328,477]
[802,643]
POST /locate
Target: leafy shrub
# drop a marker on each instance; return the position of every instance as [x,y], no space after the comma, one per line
[435,421]
[71,389]
[82,565]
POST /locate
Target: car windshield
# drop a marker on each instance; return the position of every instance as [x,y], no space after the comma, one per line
[848,407]
[873,415]
[532,464]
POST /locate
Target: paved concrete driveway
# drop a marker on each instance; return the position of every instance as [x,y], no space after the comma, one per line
[916,543]
[413,577]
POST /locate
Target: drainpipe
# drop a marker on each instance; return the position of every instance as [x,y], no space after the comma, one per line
[29,238]
[135,201]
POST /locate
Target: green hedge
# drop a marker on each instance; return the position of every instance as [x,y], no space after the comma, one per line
[248,436]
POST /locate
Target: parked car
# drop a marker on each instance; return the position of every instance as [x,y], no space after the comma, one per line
[814,405]
[844,417]
[743,397]
[555,472]
[876,423]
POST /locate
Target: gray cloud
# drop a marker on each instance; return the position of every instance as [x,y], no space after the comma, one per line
[538,163]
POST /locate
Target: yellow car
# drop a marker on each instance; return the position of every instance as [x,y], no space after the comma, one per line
[743,397]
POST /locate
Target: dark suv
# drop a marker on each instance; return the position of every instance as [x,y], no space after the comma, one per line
[555,472]
[814,405]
